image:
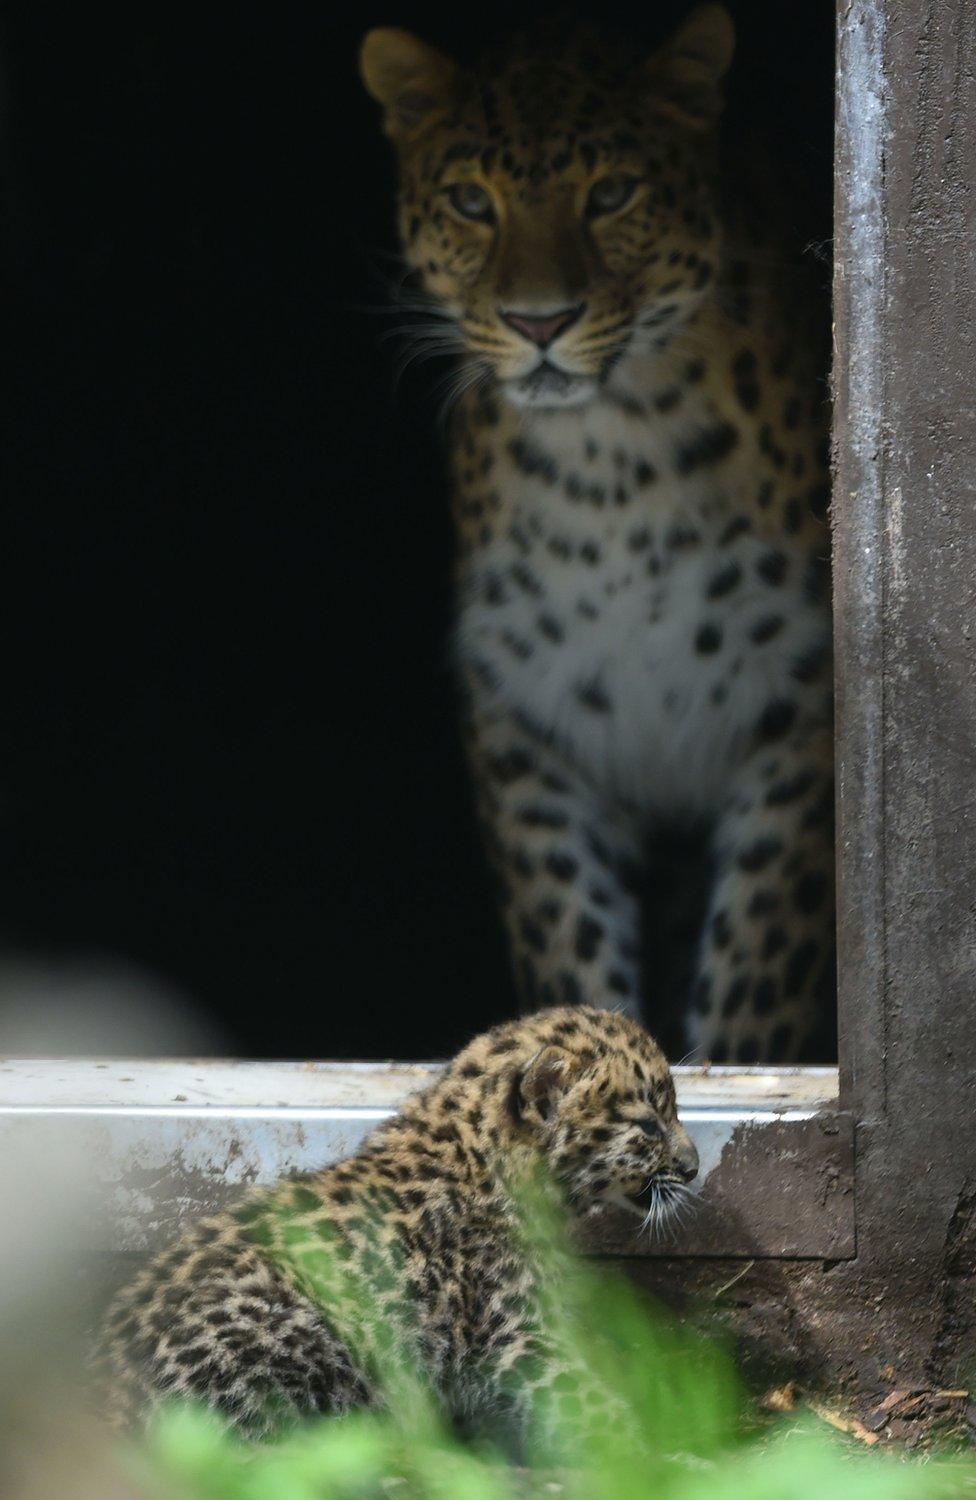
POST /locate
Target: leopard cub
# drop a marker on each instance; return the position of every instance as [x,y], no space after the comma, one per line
[254,1311]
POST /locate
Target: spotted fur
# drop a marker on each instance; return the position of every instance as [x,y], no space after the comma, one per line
[640,495]
[256,1312]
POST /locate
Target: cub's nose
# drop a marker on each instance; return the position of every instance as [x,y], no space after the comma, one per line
[684,1156]
[542,328]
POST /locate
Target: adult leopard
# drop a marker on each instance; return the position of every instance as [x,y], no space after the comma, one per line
[639,477]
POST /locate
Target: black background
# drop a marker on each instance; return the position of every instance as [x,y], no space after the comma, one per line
[230,753]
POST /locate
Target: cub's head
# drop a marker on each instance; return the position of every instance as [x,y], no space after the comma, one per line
[591,1092]
[556,202]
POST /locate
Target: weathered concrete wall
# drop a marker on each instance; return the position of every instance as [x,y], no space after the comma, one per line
[905,570]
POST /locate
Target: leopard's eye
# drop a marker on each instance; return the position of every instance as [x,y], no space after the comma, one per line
[651,1127]
[471,201]
[610,194]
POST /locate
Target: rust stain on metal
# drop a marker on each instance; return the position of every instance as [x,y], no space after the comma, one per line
[153,1185]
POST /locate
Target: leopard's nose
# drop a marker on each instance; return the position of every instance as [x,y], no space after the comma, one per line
[542,329]
[684,1156]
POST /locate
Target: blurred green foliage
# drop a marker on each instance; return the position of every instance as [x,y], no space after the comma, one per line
[699,1438]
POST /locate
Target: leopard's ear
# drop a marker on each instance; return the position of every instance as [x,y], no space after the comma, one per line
[414,82]
[686,73]
[540,1083]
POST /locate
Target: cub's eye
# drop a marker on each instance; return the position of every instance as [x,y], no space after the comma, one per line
[610,194]
[651,1127]
[471,201]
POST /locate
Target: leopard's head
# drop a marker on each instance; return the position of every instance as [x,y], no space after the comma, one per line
[557,201]
[590,1092]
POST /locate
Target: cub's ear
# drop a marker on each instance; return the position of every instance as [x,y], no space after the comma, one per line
[687,71]
[413,82]
[541,1081]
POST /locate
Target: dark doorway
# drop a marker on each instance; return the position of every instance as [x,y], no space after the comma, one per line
[231,755]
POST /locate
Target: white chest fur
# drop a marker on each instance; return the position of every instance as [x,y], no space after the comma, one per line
[617,615]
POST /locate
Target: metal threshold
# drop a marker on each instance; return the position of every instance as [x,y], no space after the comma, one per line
[170,1139]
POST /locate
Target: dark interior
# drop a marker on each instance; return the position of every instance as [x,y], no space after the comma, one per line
[230,749]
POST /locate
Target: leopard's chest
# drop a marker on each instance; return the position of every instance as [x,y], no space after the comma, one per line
[636,625]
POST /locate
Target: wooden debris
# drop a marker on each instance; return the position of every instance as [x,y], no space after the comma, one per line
[849,1424]
[780,1398]
[908,1403]
[731,1283]
[879,1416]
